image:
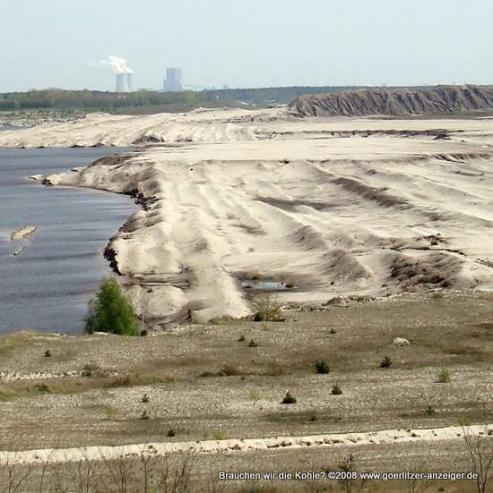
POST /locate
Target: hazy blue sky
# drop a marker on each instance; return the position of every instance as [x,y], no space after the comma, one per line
[246,43]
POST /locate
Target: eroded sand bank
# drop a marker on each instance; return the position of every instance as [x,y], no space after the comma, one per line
[325,206]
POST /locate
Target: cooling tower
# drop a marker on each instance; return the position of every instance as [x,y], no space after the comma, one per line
[121,84]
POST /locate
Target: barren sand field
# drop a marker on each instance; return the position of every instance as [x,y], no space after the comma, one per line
[235,198]
[366,230]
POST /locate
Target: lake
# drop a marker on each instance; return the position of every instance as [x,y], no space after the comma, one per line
[47,286]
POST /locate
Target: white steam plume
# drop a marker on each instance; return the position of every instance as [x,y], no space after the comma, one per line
[117,64]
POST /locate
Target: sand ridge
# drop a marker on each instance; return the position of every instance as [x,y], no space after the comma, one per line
[395,101]
[346,440]
[325,206]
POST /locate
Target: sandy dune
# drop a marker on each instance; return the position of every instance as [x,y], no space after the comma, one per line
[326,206]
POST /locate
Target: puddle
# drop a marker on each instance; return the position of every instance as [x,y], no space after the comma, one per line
[265,285]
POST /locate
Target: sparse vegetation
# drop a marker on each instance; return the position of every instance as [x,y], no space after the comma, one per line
[42,387]
[480,450]
[109,412]
[289,399]
[218,435]
[110,311]
[336,389]
[93,370]
[444,376]
[322,367]
[267,309]
[386,362]
[430,411]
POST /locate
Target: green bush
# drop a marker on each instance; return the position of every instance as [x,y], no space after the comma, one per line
[288,399]
[322,367]
[444,376]
[386,362]
[110,311]
[336,390]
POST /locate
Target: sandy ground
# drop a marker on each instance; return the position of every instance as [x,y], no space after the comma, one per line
[342,440]
[322,206]
[107,398]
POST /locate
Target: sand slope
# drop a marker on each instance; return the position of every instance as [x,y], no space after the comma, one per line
[395,102]
[328,207]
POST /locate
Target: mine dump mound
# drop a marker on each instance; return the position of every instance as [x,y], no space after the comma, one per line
[395,102]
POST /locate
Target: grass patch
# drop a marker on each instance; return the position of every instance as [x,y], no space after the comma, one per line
[336,390]
[444,376]
[322,367]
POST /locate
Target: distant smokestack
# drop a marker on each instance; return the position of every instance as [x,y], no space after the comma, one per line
[123,73]
[130,82]
[172,83]
[121,83]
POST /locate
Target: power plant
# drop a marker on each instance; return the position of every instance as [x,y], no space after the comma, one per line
[123,82]
[172,83]
[123,73]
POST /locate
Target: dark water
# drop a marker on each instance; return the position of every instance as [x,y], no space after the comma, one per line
[47,287]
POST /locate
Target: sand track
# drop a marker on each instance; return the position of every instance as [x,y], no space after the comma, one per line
[346,440]
[330,207]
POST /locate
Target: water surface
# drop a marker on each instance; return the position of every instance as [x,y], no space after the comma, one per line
[47,287]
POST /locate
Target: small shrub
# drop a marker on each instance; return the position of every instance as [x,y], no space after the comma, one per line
[171,433]
[322,367]
[267,310]
[42,387]
[252,343]
[336,390]
[218,435]
[47,353]
[228,371]
[110,311]
[93,370]
[444,376]
[430,411]
[241,339]
[386,362]
[123,381]
[145,399]
[289,399]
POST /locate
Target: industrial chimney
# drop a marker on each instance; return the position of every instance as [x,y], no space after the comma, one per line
[130,82]
[172,83]
[121,83]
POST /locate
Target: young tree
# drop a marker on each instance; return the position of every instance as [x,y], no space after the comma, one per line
[110,311]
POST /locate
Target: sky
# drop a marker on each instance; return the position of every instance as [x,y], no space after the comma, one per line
[246,43]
